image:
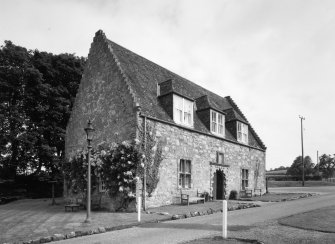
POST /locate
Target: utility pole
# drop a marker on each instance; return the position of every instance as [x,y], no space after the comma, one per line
[302,151]
[317,161]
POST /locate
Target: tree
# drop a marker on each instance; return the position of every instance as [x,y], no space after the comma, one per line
[326,165]
[296,167]
[37,91]
[15,142]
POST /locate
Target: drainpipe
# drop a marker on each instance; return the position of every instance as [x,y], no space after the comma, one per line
[145,164]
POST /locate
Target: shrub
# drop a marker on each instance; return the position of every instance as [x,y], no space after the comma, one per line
[233,195]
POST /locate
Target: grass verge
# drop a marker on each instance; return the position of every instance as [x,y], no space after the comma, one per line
[319,220]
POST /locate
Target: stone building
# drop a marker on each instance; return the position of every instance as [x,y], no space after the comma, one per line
[205,138]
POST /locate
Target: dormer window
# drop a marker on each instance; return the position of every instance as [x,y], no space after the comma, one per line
[182,111]
[217,123]
[242,132]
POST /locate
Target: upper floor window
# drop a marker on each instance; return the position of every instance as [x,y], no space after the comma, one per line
[242,132]
[217,123]
[182,110]
[185,173]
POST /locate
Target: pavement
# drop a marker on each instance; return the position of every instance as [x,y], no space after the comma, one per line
[31,219]
[204,226]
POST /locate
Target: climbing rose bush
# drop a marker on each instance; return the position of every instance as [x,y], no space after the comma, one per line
[119,166]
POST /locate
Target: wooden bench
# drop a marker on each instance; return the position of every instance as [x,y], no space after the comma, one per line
[259,190]
[72,207]
[187,196]
[247,193]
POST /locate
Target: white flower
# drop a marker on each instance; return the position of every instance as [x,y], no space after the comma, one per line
[103,152]
[142,165]
[143,156]
[121,189]
[129,162]
[137,141]
[118,176]
[137,178]
[130,194]
[128,173]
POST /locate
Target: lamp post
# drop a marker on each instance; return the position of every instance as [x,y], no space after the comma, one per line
[89,136]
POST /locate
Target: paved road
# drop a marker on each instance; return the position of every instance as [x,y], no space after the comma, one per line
[193,228]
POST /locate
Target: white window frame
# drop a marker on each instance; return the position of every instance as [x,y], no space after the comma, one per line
[102,185]
[244,179]
[185,117]
[218,156]
[184,176]
[242,132]
[217,126]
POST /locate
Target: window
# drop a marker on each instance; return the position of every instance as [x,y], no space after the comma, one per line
[102,185]
[219,158]
[185,173]
[217,123]
[245,178]
[182,111]
[242,132]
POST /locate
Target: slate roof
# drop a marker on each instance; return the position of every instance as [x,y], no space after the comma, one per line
[143,76]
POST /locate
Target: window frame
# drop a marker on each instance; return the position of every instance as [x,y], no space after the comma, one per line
[218,156]
[242,132]
[215,125]
[244,178]
[183,175]
[184,121]
[101,185]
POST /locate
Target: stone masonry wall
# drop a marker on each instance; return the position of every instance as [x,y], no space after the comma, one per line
[179,143]
[104,98]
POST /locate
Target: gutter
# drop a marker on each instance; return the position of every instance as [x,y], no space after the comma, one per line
[199,132]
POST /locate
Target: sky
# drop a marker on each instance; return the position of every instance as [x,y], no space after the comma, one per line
[274,58]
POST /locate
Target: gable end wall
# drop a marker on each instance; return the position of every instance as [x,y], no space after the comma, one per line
[103,97]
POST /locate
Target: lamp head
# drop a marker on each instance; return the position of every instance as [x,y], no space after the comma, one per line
[89,131]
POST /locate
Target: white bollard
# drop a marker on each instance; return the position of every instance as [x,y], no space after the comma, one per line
[224,219]
[139,201]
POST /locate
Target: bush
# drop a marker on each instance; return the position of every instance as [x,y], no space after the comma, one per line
[233,195]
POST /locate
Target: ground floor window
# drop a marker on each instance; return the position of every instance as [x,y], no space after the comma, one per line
[245,178]
[185,173]
[102,185]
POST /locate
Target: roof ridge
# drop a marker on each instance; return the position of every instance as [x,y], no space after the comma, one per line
[232,102]
[205,90]
[102,35]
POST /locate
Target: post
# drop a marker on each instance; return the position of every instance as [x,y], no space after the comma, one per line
[224,219]
[302,151]
[266,184]
[139,209]
[88,207]
[53,194]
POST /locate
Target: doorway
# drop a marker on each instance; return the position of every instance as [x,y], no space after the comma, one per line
[220,185]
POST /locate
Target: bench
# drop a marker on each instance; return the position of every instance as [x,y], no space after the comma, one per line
[259,190]
[72,207]
[187,196]
[247,193]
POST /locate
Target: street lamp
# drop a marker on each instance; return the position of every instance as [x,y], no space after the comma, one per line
[89,136]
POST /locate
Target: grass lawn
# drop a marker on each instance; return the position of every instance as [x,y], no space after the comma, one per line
[298,183]
[220,240]
[320,220]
